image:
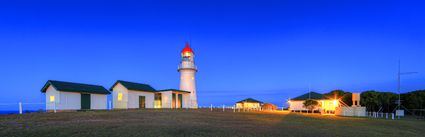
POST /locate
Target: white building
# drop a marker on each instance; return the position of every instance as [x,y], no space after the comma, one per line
[131,95]
[249,103]
[355,110]
[187,71]
[74,96]
[326,105]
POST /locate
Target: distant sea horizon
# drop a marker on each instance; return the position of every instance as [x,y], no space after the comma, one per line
[4,112]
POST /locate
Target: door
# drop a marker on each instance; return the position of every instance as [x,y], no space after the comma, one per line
[85,101]
[142,103]
[180,101]
[173,100]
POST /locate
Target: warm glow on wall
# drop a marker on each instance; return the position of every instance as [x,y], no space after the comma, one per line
[52,98]
[157,104]
[119,96]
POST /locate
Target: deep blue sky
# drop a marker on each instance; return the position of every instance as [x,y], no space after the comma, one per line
[268,50]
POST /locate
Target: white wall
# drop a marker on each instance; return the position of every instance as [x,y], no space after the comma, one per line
[296,105]
[133,99]
[72,100]
[166,99]
[51,92]
[63,100]
[186,100]
[98,101]
[119,88]
[187,83]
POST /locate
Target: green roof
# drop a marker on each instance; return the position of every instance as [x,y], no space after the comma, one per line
[134,86]
[74,87]
[173,90]
[310,95]
[249,100]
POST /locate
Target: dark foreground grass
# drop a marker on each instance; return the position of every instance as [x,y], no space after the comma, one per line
[200,123]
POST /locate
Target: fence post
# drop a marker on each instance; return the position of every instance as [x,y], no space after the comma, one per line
[211,107]
[234,108]
[223,108]
[386,115]
[20,108]
[392,116]
[54,106]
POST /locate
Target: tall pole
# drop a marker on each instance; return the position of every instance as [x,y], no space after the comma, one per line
[398,85]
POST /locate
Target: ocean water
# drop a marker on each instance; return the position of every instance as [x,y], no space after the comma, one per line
[4,112]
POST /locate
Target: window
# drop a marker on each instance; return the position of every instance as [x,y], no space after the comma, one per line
[119,96]
[52,98]
[158,100]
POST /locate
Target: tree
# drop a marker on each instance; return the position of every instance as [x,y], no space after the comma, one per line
[370,100]
[310,104]
[414,99]
[386,101]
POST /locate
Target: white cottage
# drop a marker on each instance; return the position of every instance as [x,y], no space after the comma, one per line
[74,96]
[325,106]
[131,95]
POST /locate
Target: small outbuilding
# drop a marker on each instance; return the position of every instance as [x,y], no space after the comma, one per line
[269,106]
[131,95]
[249,103]
[62,95]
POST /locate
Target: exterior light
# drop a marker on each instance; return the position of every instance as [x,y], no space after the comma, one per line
[335,102]
[52,98]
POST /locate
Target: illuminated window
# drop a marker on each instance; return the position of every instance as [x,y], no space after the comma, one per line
[52,98]
[158,100]
[187,54]
[193,78]
[119,96]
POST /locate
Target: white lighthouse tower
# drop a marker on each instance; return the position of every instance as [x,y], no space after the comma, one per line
[187,71]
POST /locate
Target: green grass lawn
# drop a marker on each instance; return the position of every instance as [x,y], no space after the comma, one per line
[201,122]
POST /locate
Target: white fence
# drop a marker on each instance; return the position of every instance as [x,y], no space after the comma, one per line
[233,108]
[382,115]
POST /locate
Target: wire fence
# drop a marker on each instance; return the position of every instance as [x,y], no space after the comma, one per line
[21,108]
[24,107]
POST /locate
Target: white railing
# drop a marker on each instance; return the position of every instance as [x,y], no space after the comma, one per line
[224,108]
[381,115]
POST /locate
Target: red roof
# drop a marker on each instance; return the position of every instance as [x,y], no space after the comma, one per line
[187,49]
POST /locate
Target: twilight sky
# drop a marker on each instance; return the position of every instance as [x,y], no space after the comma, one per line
[267,50]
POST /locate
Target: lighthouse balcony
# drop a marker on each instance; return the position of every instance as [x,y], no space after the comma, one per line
[187,66]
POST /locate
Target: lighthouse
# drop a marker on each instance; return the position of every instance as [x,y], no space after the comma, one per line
[187,71]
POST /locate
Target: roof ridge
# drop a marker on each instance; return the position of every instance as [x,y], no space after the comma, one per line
[131,82]
[74,83]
